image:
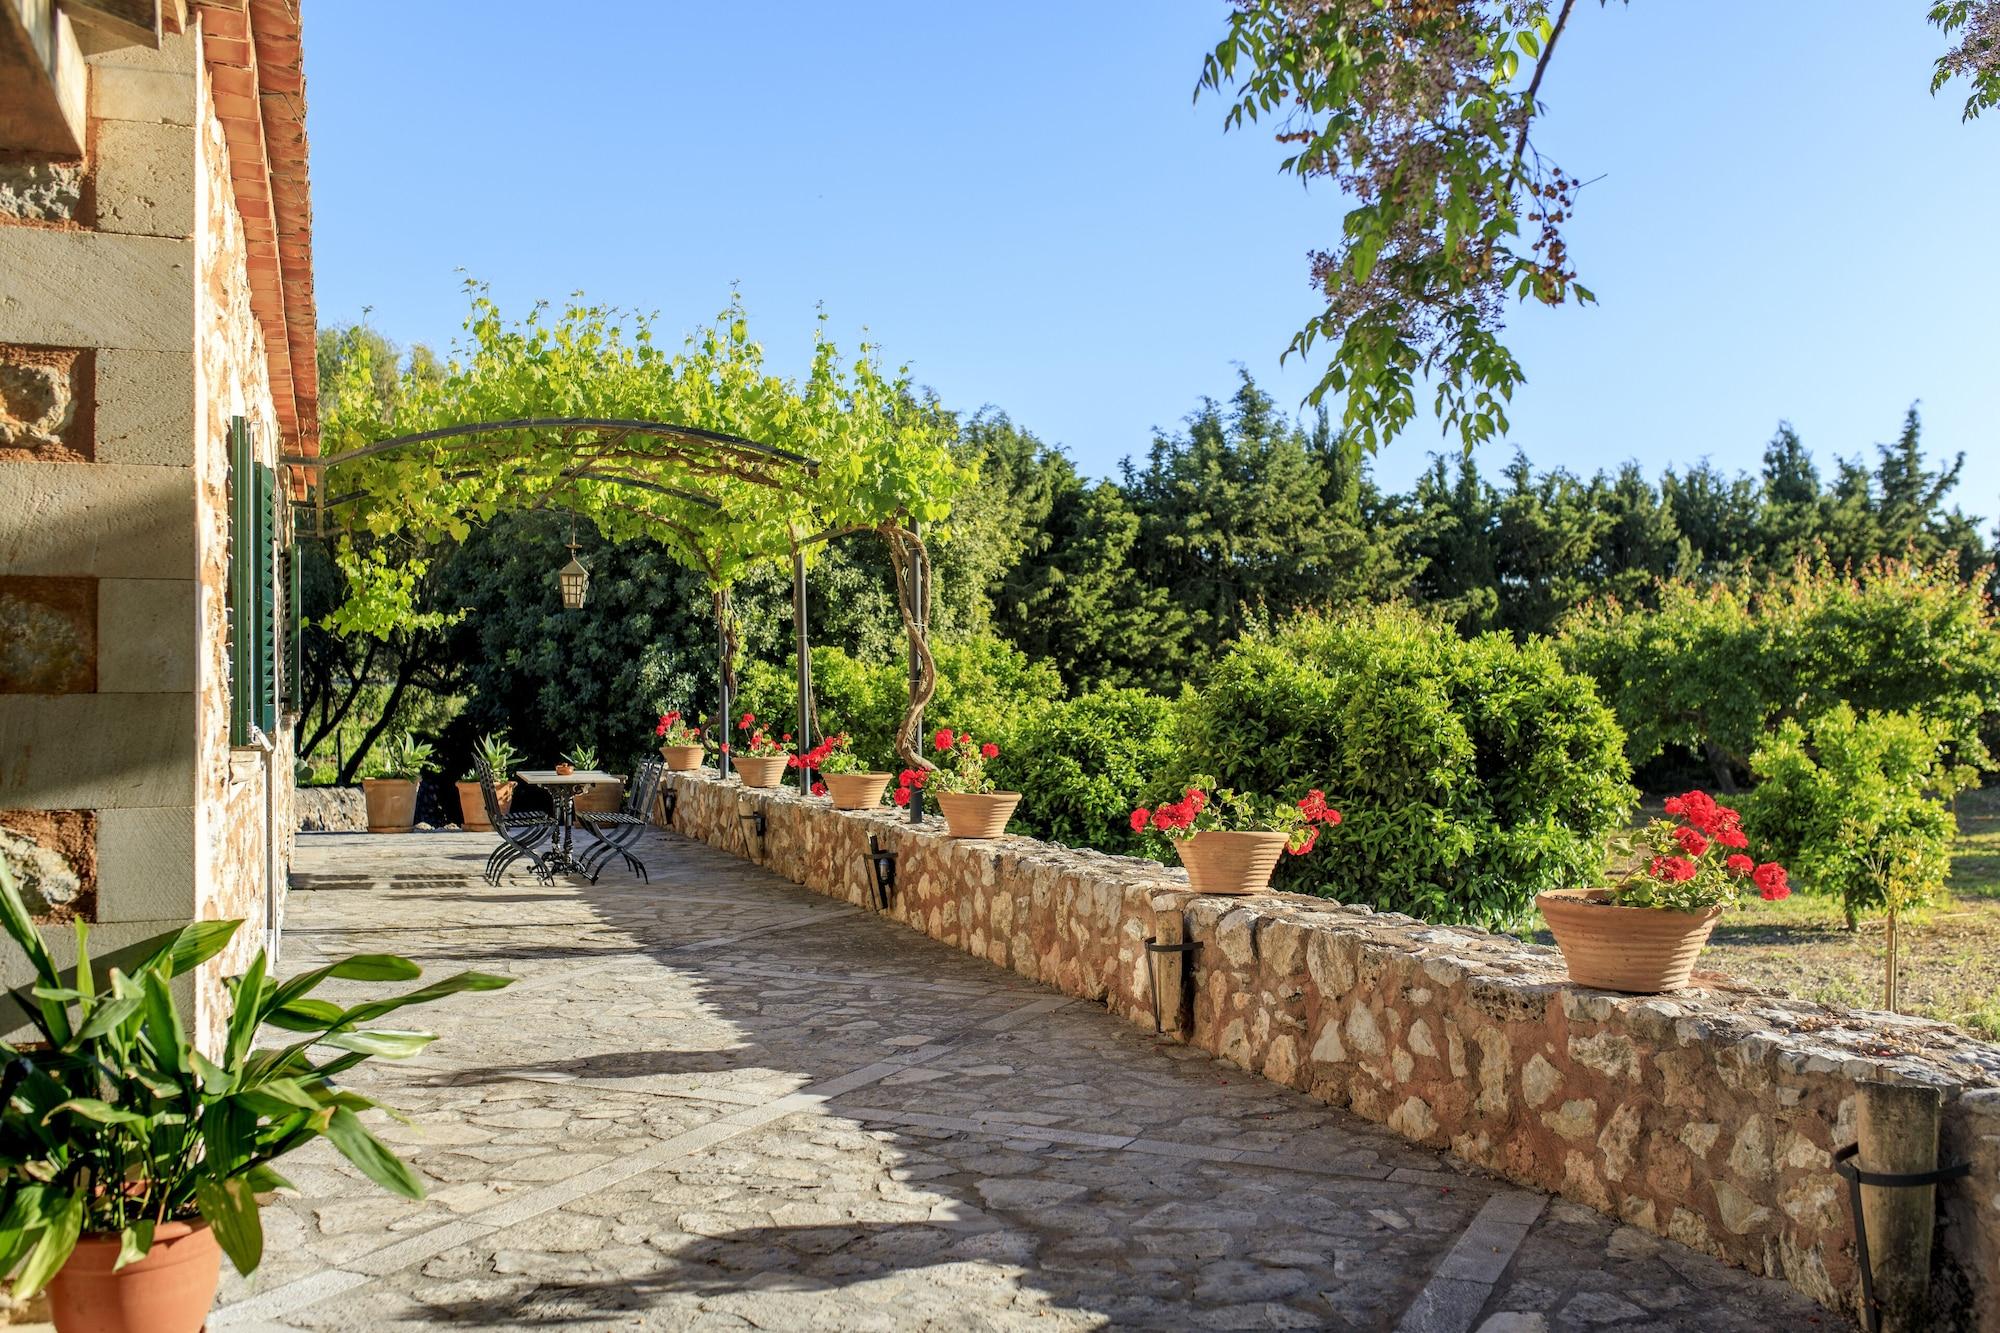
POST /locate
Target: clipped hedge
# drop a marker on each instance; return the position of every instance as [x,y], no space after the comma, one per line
[1472,773]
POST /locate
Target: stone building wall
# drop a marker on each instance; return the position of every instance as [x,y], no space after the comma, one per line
[1709,1116]
[126,342]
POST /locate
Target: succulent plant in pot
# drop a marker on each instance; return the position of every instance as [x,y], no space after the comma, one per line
[598,797]
[130,1162]
[500,756]
[392,793]
[842,774]
[1644,932]
[1230,842]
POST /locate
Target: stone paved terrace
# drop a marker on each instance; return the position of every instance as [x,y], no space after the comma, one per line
[720,1101]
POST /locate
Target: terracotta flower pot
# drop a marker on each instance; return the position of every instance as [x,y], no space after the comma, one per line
[1639,949]
[564,770]
[761,770]
[1223,861]
[976,814]
[856,791]
[168,1291]
[392,804]
[601,798]
[681,758]
[472,805]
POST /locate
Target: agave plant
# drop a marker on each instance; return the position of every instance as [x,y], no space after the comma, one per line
[499,753]
[583,757]
[113,1122]
[404,757]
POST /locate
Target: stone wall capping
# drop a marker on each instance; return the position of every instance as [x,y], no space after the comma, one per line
[1708,1116]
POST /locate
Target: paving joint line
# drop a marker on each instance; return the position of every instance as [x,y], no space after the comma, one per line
[1464,1279]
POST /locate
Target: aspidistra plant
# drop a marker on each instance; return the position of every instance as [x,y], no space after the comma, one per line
[113,1122]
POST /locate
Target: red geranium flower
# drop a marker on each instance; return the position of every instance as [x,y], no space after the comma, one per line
[1312,836]
[819,789]
[1139,818]
[1739,864]
[902,796]
[989,751]
[1673,869]
[943,739]
[1771,881]
[1691,841]
[748,718]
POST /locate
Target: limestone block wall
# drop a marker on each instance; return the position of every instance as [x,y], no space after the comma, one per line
[126,343]
[1709,1116]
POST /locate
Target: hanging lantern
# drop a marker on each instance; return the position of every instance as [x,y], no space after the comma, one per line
[573,579]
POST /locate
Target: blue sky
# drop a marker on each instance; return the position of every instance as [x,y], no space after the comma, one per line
[1023,202]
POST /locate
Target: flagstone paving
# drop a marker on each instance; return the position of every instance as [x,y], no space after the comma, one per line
[718,1101]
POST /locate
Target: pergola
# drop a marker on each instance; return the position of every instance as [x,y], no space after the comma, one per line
[685,486]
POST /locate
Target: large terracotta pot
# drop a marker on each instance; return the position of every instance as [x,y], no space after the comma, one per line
[681,758]
[392,804]
[168,1291]
[856,791]
[976,814]
[601,798]
[472,805]
[1639,949]
[760,770]
[1225,861]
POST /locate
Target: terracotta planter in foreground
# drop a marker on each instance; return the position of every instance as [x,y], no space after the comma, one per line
[600,798]
[681,758]
[392,804]
[976,814]
[168,1291]
[855,791]
[1223,861]
[1638,949]
[760,770]
[472,805]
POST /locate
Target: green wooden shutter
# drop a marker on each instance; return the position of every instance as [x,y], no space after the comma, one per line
[267,599]
[295,657]
[242,491]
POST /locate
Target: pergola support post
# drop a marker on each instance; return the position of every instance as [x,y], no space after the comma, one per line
[802,645]
[917,576]
[723,713]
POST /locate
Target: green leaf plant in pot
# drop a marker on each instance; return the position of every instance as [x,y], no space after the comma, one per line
[129,1160]
[500,756]
[392,793]
[1643,934]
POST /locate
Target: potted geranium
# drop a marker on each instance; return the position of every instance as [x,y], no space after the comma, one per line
[965,795]
[851,783]
[500,757]
[762,757]
[130,1161]
[391,793]
[680,742]
[1644,932]
[1230,842]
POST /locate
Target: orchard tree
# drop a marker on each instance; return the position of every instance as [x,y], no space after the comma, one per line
[1420,112]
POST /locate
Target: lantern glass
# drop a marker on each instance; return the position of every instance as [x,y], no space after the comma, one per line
[573,579]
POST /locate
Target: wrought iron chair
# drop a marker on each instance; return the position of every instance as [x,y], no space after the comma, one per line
[519,832]
[618,830]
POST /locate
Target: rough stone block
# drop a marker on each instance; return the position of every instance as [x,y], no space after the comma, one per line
[145,407]
[96,289]
[146,636]
[46,397]
[145,178]
[48,635]
[96,751]
[145,864]
[107,520]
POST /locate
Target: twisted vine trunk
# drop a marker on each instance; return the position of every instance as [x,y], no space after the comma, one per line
[907,555]
[725,620]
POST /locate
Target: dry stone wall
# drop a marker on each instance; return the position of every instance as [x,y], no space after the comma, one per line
[1709,1116]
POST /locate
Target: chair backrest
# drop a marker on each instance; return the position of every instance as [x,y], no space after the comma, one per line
[489,792]
[645,786]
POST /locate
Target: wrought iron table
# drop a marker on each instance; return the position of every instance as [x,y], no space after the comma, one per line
[563,789]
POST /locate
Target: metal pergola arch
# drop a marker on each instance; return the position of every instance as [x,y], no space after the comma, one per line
[703,452]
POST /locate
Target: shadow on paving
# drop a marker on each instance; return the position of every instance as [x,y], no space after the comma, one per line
[720,1101]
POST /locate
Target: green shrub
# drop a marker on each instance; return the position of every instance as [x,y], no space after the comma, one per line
[1081,765]
[1714,666]
[1472,774]
[1857,805]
